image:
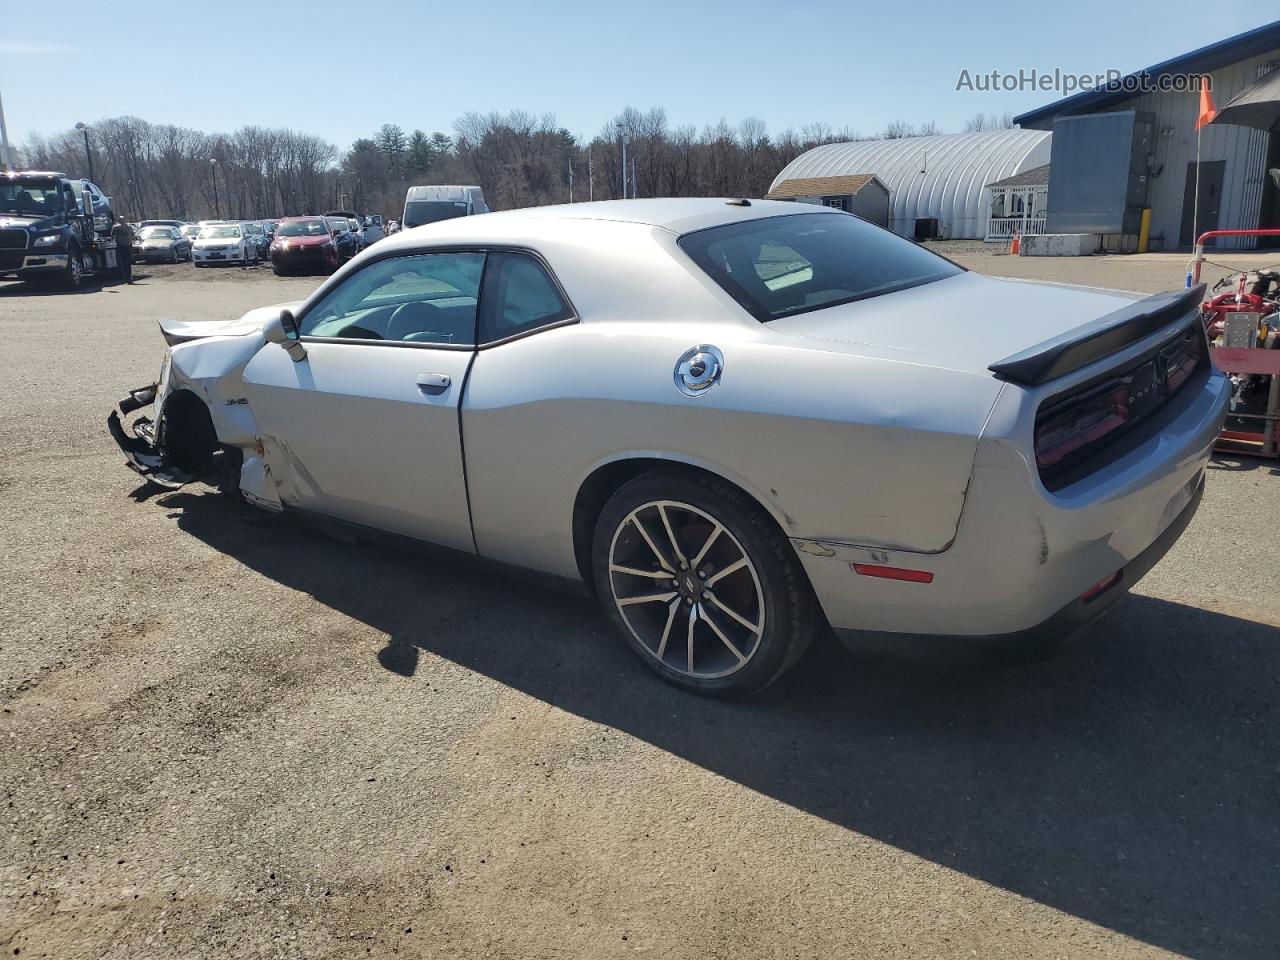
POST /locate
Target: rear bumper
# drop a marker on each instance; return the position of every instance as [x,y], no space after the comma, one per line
[1023,556]
[1083,610]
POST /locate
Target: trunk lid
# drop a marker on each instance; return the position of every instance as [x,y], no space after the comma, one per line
[964,323]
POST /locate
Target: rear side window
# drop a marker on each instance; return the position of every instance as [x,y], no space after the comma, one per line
[519,296]
[781,266]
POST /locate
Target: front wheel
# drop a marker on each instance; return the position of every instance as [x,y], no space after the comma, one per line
[73,274]
[702,583]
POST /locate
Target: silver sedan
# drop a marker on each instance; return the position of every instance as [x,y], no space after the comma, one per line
[737,423]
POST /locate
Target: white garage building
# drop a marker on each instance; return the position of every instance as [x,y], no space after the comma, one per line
[942,177]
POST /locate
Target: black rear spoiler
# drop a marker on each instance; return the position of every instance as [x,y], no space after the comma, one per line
[1082,346]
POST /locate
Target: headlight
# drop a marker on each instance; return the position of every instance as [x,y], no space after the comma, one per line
[47,240]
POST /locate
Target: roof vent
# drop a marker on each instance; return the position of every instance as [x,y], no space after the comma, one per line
[738,202]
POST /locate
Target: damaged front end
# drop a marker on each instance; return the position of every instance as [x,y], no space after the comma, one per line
[140,446]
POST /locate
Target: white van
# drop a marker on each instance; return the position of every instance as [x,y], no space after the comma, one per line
[430,204]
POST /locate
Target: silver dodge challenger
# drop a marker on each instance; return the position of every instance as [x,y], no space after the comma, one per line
[739,423]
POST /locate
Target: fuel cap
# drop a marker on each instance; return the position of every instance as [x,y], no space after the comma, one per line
[698,369]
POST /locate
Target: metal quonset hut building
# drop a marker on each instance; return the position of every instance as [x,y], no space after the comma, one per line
[942,177]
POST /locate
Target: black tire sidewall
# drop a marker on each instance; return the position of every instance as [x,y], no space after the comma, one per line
[789,621]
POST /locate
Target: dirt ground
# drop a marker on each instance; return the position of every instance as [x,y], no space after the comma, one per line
[224,739]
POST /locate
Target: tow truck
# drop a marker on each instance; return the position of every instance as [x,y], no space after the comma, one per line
[56,228]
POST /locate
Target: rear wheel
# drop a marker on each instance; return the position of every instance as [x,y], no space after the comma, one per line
[703,585]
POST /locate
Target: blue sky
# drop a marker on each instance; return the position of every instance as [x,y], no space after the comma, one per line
[341,69]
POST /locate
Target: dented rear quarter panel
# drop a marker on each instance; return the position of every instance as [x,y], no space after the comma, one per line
[835,445]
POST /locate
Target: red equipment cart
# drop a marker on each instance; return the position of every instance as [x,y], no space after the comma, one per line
[1243,358]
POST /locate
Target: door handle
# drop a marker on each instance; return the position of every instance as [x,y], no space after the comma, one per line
[434,383]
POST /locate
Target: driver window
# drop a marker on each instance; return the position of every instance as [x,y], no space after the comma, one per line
[427,298]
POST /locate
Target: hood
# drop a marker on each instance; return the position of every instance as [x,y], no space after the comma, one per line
[963,323]
[11,221]
[180,331]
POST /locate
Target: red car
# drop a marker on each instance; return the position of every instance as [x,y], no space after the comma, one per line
[303,244]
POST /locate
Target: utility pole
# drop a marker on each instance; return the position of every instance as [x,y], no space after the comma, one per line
[622,132]
[635,179]
[213,168]
[571,179]
[6,152]
[591,177]
[88,154]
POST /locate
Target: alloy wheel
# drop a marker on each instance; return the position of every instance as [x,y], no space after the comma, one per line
[686,589]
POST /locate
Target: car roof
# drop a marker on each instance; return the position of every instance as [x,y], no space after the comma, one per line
[677,215]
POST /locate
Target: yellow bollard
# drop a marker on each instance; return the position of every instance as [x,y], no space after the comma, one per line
[1144,230]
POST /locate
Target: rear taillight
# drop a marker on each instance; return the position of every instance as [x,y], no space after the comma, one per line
[1082,423]
[1181,359]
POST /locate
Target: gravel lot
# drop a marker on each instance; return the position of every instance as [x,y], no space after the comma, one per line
[225,739]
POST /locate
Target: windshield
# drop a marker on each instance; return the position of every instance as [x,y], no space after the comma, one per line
[782,266]
[338,225]
[155,233]
[303,228]
[190,231]
[418,212]
[226,231]
[30,197]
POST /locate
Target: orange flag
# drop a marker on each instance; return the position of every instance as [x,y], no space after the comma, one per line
[1207,110]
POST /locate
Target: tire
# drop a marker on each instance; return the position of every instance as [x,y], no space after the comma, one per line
[72,277]
[746,601]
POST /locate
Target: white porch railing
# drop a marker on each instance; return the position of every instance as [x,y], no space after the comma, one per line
[1003,228]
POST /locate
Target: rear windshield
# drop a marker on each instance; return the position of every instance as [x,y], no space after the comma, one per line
[418,212]
[781,266]
[156,233]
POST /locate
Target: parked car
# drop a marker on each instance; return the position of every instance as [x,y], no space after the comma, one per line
[304,244]
[435,203]
[344,240]
[393,227]
[374,229]
[162,223]
[223,243]
[161,243]
[732,421]
[257,233]
[190,231]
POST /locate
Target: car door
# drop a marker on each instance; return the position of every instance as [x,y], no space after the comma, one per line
[366,427]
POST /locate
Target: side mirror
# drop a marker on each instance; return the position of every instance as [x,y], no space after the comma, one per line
[282,330]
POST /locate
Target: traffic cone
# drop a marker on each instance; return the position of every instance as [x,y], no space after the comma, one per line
[1016,245]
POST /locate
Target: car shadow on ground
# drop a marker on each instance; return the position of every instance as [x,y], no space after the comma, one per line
[1130,781]
[50,288]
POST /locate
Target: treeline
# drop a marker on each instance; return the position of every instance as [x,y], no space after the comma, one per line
[520,159]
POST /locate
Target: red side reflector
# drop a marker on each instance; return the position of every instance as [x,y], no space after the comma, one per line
[892,573]
[1101,587]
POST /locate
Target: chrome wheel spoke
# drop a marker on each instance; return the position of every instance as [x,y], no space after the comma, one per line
[735,616]
[662,560]
[672,610]
[706,618]
[636,572]
[646,598]
[671,536]
[693,622]
[731,568]
[711,538]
